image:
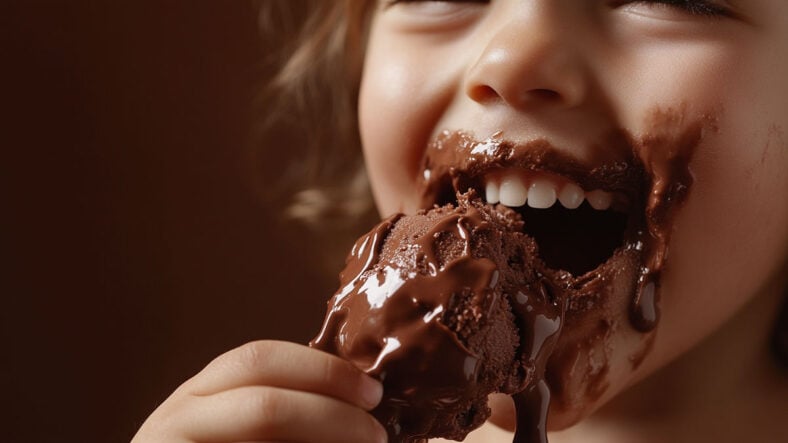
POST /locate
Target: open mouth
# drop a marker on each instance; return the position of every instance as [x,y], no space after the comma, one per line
[583,216]
[575,230]
[578,216]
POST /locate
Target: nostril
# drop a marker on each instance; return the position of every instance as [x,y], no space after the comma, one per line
[542,95]
[483,94]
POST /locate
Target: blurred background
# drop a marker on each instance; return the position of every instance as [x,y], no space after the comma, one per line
[135,245]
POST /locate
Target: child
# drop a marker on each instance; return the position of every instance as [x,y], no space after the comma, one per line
[565,74]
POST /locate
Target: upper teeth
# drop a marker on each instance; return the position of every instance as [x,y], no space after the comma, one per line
[514,190]
[599,199]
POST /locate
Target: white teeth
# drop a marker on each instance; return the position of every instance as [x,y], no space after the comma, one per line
[571,196]
[492,192]
[541,194]
[511,190]
[599,200]
[513,193]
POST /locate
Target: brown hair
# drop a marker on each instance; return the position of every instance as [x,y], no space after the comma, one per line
[310,105]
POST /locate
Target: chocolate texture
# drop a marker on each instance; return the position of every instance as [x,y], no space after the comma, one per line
[445,307]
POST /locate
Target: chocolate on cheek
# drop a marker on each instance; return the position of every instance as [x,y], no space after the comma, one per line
[451,304]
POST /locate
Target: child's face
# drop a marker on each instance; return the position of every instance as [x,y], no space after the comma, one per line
[571,72]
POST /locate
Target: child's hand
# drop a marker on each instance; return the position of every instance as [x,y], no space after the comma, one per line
[270,391]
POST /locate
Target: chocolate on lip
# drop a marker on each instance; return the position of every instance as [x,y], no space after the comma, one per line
[455,161]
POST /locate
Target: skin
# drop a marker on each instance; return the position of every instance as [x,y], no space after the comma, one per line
[566,71]
[270,391]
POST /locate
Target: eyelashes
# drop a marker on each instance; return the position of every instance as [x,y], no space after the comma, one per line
[391,2]
[388,3]
[705,8]
[693,7]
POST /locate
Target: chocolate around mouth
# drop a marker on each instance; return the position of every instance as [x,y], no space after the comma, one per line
[652,173]
[455,161]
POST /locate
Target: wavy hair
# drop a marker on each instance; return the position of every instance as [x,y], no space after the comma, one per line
[309,104]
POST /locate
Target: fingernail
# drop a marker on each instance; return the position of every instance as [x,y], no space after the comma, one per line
[371,391]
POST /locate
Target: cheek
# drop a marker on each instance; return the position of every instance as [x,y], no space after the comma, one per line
[731,237]
[389,134]
[401,102]
[695,78]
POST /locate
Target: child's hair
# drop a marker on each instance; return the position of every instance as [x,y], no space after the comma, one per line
[310,103]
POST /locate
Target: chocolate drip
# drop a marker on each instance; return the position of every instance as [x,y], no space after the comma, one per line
[665,155]
[532,406]
[644,311]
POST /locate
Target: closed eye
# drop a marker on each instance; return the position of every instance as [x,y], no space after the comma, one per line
[435,15]
[704,8]
[392,2]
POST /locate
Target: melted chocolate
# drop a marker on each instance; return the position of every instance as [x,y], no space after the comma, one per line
[532,406]
[665,155]
[445,307]
[451,304]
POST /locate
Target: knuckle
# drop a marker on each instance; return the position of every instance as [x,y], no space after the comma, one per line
[343,381]
[330,371]
[338,374]
[254,354]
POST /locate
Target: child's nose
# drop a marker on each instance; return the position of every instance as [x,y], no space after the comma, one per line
[530,60]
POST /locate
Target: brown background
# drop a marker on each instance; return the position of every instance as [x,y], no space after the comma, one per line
[135,246]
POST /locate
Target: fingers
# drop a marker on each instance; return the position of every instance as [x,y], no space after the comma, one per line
[260,413]
[271,392]
[289,366]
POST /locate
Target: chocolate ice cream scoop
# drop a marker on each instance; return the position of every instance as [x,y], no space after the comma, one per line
[446,307]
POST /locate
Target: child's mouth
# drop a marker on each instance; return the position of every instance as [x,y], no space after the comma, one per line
[578,215]
[576,230]
[602,228]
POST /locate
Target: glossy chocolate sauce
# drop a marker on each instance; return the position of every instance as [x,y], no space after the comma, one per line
[445,307]
[454,303]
